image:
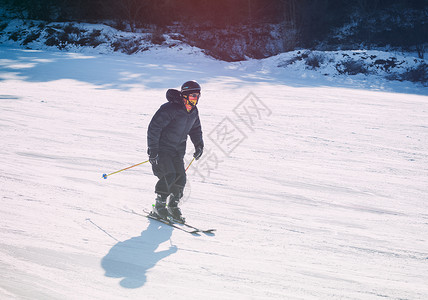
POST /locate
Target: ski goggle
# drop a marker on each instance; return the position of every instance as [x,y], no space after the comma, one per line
[192,95]
[192,98]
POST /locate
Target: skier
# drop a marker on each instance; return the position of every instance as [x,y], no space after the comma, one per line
[166,140]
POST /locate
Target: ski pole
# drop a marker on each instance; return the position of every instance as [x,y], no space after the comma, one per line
[189,164]
[105,175]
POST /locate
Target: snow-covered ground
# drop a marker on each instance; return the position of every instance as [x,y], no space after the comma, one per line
[317,185]
[370,67]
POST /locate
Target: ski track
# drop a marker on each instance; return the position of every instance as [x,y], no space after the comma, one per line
[325,198]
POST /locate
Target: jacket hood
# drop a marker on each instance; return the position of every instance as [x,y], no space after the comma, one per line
[174,96]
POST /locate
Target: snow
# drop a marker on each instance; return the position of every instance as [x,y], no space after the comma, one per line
[370,67]
[319,193]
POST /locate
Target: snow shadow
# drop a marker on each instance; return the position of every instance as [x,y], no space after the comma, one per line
[131,259]
[162,70]
[115,71]
[124,72]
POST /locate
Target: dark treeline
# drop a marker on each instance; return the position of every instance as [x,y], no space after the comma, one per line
[310,20]
[217,13]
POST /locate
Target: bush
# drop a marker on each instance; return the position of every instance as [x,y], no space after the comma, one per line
[298,57]
[352,67]
[233,43]
[31,37]
[95,33]
[3,26]
[314,61]
[91,40]
[52,41]
[64,39]
[70,29]
[417,74]
[388,64]
[15,36]
[128,46]
[157,37]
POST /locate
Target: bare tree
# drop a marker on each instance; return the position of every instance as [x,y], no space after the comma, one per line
[128,10]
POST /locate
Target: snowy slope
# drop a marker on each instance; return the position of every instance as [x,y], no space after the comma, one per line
[369,67]
[318,193]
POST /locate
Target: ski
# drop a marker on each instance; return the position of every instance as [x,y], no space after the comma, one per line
[153,217]
[174,221]
[149,215]
[193,227]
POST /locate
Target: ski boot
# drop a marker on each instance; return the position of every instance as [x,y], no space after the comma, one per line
[159,208]
[174,211]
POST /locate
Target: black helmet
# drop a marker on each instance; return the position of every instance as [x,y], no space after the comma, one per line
[190,86]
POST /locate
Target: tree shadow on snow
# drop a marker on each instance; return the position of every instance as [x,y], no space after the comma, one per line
[124,72]
[131,259]
[117,71]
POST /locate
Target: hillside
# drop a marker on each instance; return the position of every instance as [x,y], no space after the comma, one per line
[104,39]
[320,193]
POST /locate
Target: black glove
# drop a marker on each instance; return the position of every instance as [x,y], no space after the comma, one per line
[153,156]
[198,152]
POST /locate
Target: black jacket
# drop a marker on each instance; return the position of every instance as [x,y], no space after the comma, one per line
[171,124]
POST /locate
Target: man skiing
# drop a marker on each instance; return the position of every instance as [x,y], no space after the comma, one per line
[166,140]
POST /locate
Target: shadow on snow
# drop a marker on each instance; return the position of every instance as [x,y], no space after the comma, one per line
[150,70]
[116,71]
[131,259]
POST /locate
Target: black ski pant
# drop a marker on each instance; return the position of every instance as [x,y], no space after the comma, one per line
[171,174]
